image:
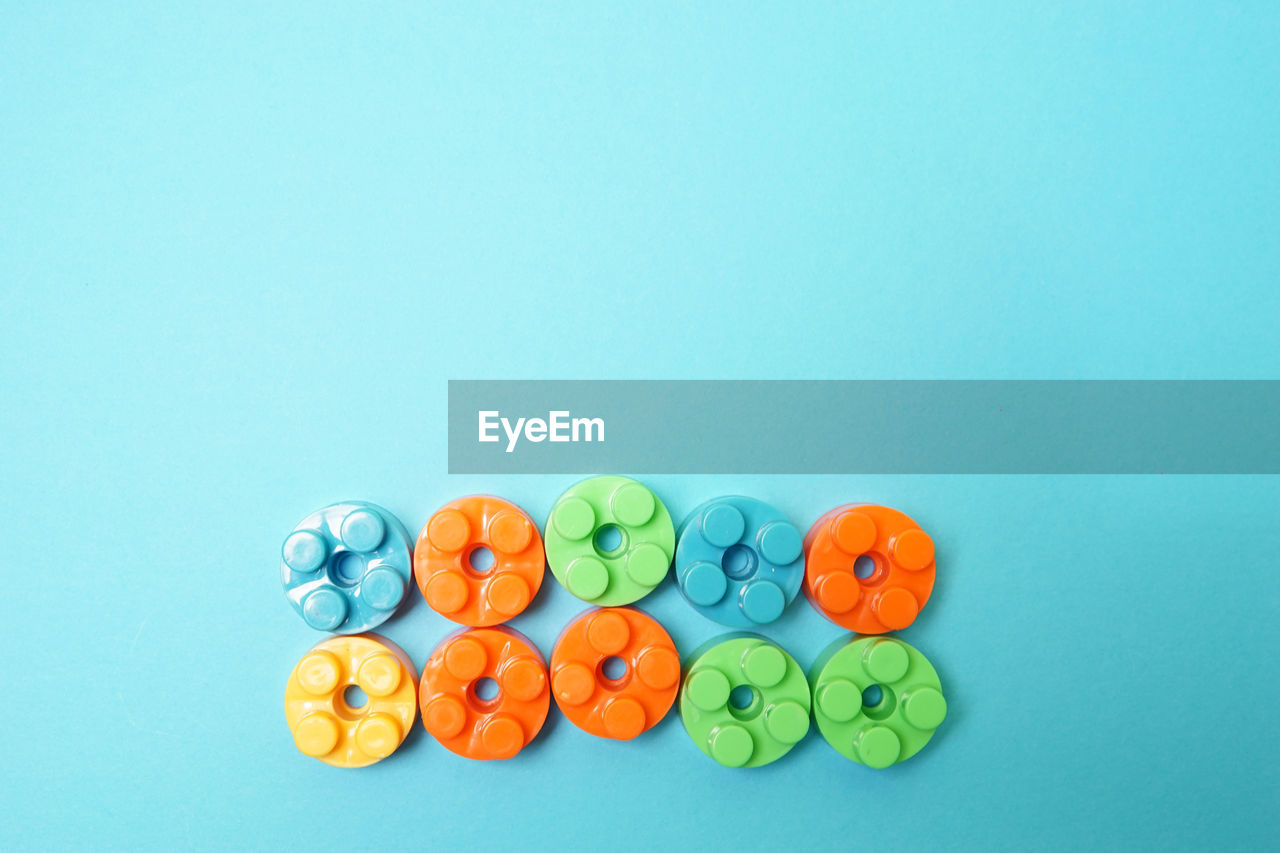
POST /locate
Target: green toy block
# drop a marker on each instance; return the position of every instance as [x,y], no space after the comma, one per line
[876,700]
[583,559]
[744,701]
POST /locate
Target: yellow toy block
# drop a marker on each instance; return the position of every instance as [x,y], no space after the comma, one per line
[318,702]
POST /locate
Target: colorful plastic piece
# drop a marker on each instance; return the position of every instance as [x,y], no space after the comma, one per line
[474,725]
[744,701]
[605,703]
[868,568]
[317,706]
[345,568]
[459,591]
[877,700]
[586,563]
[739,561]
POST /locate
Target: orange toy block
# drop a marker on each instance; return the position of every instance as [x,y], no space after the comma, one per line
[463,592]
[458,710]
[614,703]
[868,568]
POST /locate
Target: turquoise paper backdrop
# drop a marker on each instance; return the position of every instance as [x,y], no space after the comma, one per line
[243,247]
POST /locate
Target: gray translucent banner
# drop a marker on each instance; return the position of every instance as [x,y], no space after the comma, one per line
[864,427]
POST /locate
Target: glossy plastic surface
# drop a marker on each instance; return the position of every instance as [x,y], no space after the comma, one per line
[457,590]
[345,568]
[470,724]
[616,575]
[325,726]
[739,561]
[877,700]
[744,701]
[884,544]
[617,704]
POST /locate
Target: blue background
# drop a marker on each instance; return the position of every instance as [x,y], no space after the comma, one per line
[243,247]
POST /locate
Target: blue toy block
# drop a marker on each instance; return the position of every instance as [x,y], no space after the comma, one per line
[346,568]
[739,561]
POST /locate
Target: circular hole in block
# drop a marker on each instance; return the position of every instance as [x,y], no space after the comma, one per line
[738,562]
[347,568]
[878,701]
[744,702]
[613,673]
[610,540]
[480,560]
[613,669]
[864,567]
[355,698]
[484,695]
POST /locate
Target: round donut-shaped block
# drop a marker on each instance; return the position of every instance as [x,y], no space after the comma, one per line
[868,568]
[739,561]
[605,702]
[345,568]
[877,700]
[744,701]
[455,707]
[479,597]
[326,726]
[609,540]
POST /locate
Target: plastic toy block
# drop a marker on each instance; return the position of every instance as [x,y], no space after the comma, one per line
[473,596]
[454,707]
[345,568]
[589,565]
[605,703]
[325,725]
[744,701]
[877,700]
[739,561]
[868,568]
